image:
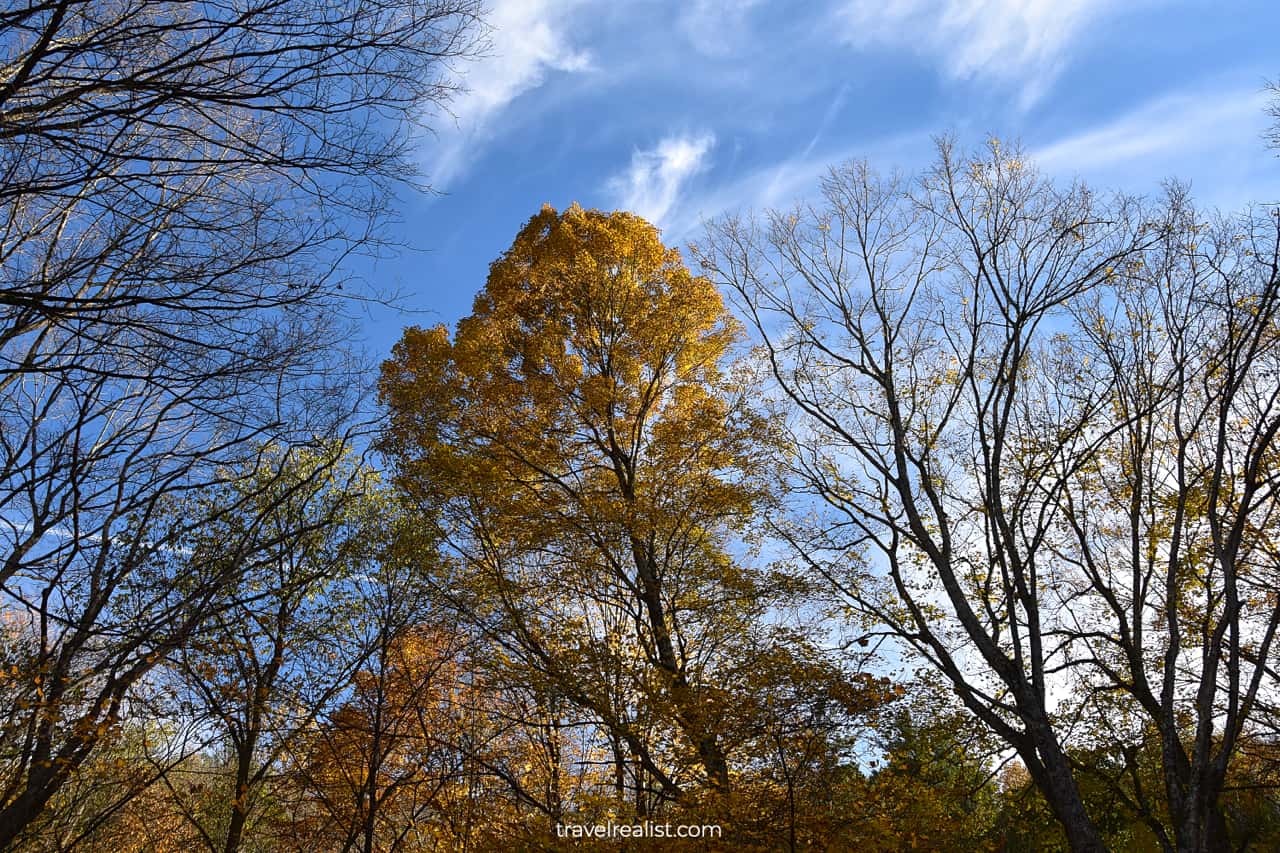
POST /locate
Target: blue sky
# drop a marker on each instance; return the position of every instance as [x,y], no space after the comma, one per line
[682,111]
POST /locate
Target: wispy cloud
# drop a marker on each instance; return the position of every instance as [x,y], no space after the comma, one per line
[786,182]
[1160,131]
[652,183]
[715,27]
[1018,42]
[1210,137]
[528,40]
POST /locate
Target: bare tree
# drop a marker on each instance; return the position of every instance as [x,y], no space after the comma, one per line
[1273,109]
[180,183]
[1034,437]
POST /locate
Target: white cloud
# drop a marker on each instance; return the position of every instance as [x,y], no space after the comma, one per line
[1021,42]
[1209,137]
[1165,129]
[786,182]
[527,41]
[1212,138]
[652,184]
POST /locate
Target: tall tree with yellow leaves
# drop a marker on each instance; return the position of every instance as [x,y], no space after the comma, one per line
[594,462]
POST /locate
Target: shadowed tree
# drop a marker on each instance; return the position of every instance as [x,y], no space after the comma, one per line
[179,184]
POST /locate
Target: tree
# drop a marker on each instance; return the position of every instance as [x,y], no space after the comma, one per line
[592,461]
[1273,109]
[264,669]
[1044,428]
[179,183]
[801,723]
[932,790]
[377,771]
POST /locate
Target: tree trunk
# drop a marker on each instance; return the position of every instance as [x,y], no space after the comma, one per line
[1082,834]
[16,816]
[1054,778]
[710,754]
[239,805]
[1203,827]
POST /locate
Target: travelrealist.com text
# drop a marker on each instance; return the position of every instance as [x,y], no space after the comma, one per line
[643,829]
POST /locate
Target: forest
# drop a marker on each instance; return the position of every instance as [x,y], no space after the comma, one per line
[937,512]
